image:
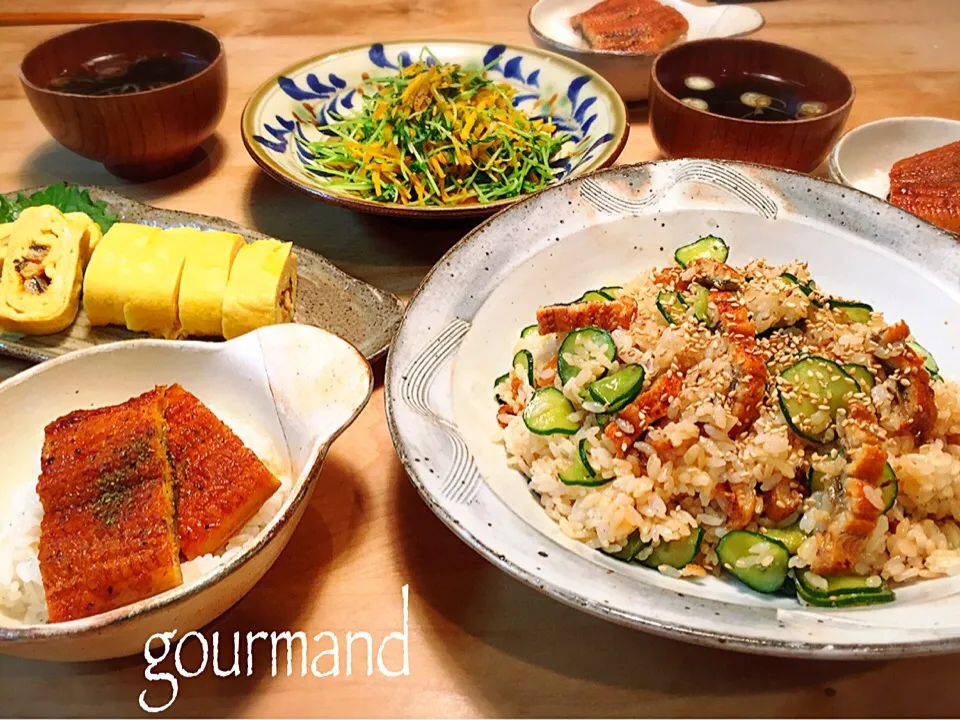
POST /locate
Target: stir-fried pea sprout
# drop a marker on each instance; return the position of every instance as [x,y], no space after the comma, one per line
[436,134]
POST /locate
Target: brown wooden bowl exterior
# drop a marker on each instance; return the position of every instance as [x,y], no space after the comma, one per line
[682,131]
[145,134]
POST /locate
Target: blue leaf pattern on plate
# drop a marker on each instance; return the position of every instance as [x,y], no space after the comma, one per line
[512,69]
[379,58]
[290,88]
[582,110]
[573,91]
[576,122]
[494,54]
[321,90]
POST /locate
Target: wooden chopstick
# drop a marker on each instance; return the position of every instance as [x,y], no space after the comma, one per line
[81,18]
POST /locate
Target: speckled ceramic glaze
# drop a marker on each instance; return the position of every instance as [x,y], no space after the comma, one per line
[629,72]
[327,297]
[287,390]
[459,331]
[586,107]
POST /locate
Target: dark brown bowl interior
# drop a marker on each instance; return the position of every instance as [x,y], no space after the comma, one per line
[66,52]
[140,135]
[684,131]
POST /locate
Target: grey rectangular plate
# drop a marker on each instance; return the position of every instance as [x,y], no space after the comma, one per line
[326,296]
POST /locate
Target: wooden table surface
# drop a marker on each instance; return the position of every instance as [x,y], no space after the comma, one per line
[479,642]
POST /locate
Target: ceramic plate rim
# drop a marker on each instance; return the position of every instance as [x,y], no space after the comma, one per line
[721,639]
[275,171]
[12,636]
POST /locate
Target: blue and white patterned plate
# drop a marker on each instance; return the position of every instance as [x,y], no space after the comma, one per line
[584,106]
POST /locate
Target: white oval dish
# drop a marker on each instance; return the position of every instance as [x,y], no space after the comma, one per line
[287,390]
[460,327]
[863,157]
[629,72]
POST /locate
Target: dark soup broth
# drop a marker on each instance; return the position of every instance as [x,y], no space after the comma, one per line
[748,96]
[119,74]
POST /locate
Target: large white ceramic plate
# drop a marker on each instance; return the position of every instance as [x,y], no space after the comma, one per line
[287,391]
[460,328]
[585,106]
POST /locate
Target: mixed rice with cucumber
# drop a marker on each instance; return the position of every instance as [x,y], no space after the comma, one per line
[707,419]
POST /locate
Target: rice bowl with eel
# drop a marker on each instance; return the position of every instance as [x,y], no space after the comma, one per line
[705,419]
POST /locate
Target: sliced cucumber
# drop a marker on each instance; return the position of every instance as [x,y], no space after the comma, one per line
[569,346]
[844,601]
[738,545]
[794,280]
[790,537]
[811,383]
[676,553]
[581,472]
[699,299]
[496,384]
[854,312]
[862,374]
[618,390]
[816,480]
[842,591]
[928,362]
[889,487]
[604,419]
[523,365]
[548,413]
[612,290]
[671,306]
[706,247]
[594,296]
[631,547]
[806,289]
[530,330]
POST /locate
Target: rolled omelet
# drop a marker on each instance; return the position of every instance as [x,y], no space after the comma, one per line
[262,289]
[113,272]
[151,305]
[6,230]
[204,282]
[94,233]
[42,272]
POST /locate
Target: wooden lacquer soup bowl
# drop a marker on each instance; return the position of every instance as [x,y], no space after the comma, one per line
[681,130]
[138,135]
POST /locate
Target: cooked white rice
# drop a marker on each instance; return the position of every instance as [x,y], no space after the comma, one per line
[21,588]
[666,483]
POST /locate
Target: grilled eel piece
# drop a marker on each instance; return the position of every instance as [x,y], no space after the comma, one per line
[609,316]
[221,483]
[108,536]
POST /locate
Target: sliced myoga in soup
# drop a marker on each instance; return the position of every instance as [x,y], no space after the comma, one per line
[127,489]
[707,418]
